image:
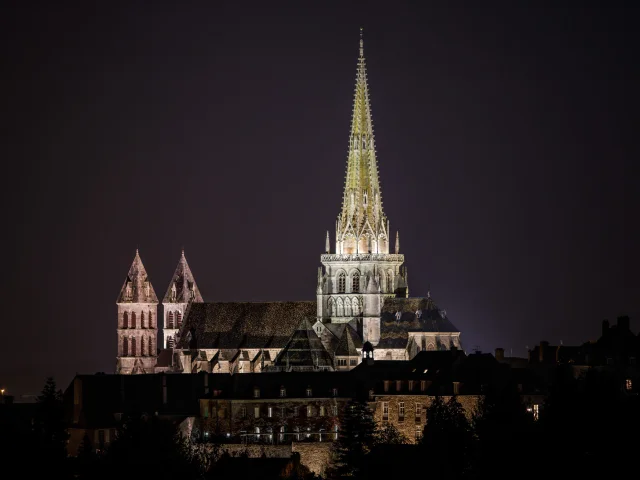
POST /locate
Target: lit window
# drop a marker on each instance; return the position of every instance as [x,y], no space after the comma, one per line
[257,433]
[398,385]
[423,385]
[243,412]
[283,392]
[334,410]
[386,385]
[401,411]
[308,391]
[309,411]
[295,411]
[418,412]
[536,412]
[628,384]
[283,411]
[385,411]
[270,412]
[322,411]
[256,412]
[410,385]
[418,433]
[256,393]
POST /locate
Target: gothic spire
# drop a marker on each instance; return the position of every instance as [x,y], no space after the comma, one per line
[182,288]
[137,287]
[362,224]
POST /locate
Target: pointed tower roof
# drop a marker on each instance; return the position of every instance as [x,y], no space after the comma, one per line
[186,289]
[304,349]
[362,200]
[137,288]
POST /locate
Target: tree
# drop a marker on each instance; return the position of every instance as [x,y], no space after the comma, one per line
[152,447]
[356,436]
[388,434]
[49,431]
[447,438]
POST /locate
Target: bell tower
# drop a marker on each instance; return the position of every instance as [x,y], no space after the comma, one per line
[354,280]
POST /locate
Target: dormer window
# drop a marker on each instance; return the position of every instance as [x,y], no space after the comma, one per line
[283,392]
[398,385]
[410,385]
[308,391]
[423,385]
[386,385]
[334,392]
[256,392]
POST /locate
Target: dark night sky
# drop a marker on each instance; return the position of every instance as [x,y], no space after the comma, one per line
[505,137]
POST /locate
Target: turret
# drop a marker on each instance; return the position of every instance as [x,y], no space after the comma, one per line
[137,322]
[182,290]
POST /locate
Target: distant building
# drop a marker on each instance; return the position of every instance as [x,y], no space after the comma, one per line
[362,295]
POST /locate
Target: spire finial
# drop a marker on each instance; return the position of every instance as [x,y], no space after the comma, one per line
[327,245]
[397,241]
[361,44]
[137,254]
[182,251]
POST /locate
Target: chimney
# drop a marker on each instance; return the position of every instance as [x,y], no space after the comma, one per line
[623,323]
[499,354]
[605,327]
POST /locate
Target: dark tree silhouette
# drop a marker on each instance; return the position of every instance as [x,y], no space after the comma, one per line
[447,439]
[388,434]
[355,439]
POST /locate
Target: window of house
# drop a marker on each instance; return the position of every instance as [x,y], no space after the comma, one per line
[125,347]
[353,362]
[398,385]
[281,435]
[151,325]
[334,392]
[400,411]
[243,412]
[270,412]
[170,320]
[142,321]
[206,410]
[256,412]
[341,282]
[355,283]
[125,320]
[386,385]
[283,412]
[134,323]
[385,411]
[628,384]
[456,388]
[410,385]
[418,434]
[257,433]
[178,319]
[371,394]
[283,392]
[335,432]
[536,411]
[308,391]
[256,393]
[418,412]
[133,346]
[334,410]
[296,411]
[309,411]
[322,411]
[423,385]
[342,362]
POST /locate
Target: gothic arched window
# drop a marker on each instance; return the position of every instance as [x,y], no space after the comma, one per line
[170,320]
[125,320]
[178,319]
[389,281]
[331,307]
[355,282]
[125,347]
[342,282]
[142,319]
[133,347]
[133,320]
[143,350]
[347,307]
[152,348]
[151,320]
[340,308]
[355,306]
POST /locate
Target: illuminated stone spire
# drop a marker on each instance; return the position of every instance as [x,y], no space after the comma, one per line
[362,225]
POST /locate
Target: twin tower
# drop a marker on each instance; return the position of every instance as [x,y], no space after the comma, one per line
[353,281]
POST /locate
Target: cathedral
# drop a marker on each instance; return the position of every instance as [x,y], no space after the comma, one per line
[362,297]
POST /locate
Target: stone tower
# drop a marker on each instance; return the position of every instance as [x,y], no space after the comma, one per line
[355,279]
[137,322]
[181,292]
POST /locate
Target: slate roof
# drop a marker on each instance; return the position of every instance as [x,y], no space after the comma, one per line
[394,333]
[244,324]
[348,343]
[184,282]
[141,288]
[304,349]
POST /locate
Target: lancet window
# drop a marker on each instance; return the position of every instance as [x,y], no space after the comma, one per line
[340,308]
[133,320]
[355,282]
[170,320]
[342,282]
[355,306]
